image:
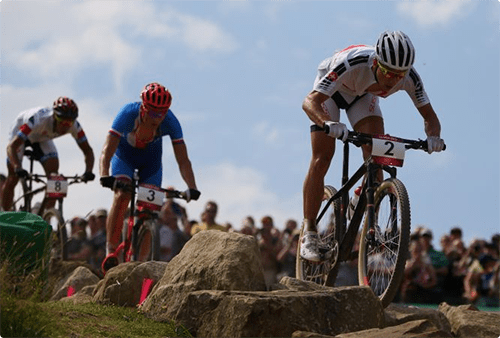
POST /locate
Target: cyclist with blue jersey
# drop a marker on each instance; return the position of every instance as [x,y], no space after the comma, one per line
[353,79]
[135,142]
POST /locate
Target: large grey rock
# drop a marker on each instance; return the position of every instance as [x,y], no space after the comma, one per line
[122,284]
[422,328]
[210,260]
[397,314]
[279,313]
[77,279]
[467,321]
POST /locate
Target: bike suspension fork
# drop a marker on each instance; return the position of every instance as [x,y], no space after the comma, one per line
[370,199]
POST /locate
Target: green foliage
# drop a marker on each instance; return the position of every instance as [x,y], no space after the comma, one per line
[22,318]
[97,320]
[25,314]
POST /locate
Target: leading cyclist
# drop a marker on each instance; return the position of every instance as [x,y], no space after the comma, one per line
[135,142]
[37,128]
[353,79]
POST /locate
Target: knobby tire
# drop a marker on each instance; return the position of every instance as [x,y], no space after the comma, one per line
[324,272]
[59,236]
[148,232]
[384,247]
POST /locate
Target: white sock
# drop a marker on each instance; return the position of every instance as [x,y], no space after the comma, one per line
[309,225]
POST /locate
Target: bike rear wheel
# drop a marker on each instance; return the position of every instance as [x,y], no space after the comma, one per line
[59,233]
[324,272]
[148,241]
[384,246]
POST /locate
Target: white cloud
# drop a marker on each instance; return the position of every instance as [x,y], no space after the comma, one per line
[234,6]
[266,132]
[427,13]
[239,192]
[272,11]
[71,36]
[204,35]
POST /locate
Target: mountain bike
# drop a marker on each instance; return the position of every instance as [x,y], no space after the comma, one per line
[385,209]
[141,235]
[54,186]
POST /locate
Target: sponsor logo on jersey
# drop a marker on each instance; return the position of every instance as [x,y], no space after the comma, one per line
[25,129]
[332,76]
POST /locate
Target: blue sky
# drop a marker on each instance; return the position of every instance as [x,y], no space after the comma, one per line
[238,72]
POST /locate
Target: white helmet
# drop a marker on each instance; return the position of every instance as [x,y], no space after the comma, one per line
[395,50]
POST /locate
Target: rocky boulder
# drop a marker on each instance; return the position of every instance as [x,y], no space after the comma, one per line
[467,321]
[77,280]
[215,287]
[210,260]
[279,313]
[124,283]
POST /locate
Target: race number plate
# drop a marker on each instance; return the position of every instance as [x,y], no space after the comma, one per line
[387,150]
[57,186]
[150,197]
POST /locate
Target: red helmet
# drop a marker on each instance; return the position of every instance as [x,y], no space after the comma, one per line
[156,97]
[65,108]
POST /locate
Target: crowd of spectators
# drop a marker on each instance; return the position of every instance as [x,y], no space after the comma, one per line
[456,274]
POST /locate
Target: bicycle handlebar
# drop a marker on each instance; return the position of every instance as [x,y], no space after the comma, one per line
[127,186]
[71,179]
[358,139]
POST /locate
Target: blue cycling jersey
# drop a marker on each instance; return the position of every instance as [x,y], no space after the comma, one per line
[148,158]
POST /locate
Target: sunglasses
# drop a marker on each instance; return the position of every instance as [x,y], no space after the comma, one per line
[153,114]
[64,122]
[389,74]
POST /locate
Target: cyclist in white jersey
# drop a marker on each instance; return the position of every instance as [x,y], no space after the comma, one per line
[37,128]
[353,79]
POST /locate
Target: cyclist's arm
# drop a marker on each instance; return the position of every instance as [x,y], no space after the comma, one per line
[431,121]
[312,106]
[12,149]
[89,155]
[185,168]
[108,150]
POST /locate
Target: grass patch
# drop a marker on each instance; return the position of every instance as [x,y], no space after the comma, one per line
[96,320]
[22,318]
[29,318]
[25,311]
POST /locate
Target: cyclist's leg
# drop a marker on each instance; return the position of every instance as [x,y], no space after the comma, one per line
[366,117]
[323,149]
[7,193]
[47,155]
[7,197]
[121,199]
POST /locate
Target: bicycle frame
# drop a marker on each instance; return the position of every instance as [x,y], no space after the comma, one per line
[136,219]
[27,184]
[369,170]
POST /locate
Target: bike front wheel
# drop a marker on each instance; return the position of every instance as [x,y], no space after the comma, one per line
[329,230]
[148,241]
[384,245]
[59,233]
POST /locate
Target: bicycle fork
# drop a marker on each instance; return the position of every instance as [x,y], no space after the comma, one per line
[370,203]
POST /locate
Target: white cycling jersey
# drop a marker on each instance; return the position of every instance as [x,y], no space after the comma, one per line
[36,125]
[347,75]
